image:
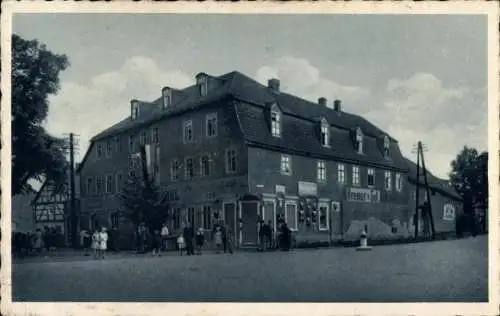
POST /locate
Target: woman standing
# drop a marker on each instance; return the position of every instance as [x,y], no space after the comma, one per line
[95,243]
[103,242]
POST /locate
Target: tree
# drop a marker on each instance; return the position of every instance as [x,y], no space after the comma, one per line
[143,202]
[469,176]
[35,76]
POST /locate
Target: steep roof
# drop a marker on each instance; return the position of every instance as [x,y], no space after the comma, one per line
[435,183]
[299,119]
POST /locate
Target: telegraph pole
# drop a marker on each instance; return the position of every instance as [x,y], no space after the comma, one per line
[73,214]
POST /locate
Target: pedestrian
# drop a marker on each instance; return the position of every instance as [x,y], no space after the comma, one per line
[218,238]
[285,237]
[224,236]
[188,239]
[200,240]
[103,242]
[181,244]
[156,243]
[85,241]
[164,237]
[95,243]
[264,235]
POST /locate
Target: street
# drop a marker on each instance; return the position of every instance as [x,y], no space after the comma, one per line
[443,271]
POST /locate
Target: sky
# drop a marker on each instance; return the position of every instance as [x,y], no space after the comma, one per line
[417,77]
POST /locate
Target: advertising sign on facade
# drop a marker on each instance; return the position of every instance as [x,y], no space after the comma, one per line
[308,188]
[448,212]
[363,195]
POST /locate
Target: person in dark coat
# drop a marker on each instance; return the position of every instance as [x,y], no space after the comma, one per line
[285,236]
[188,239]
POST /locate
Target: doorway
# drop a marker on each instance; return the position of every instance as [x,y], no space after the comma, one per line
[229,214]
[249,216]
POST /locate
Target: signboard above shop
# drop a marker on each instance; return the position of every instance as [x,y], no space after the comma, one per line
[363,195]
[308,188]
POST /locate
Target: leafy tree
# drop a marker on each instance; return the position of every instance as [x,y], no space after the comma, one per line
[469,176]
[35,153]
[143,202]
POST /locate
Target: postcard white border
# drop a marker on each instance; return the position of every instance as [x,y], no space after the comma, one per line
[405,7]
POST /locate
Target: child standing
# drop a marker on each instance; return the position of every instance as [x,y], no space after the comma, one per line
[200,240]
[181,243]
[218,238]
[95,243]
[103,241]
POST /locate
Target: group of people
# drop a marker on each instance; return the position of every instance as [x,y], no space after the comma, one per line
[282,239]
[98,242]
[190,241]
[49,239]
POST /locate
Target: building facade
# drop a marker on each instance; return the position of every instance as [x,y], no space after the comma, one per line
[230,148]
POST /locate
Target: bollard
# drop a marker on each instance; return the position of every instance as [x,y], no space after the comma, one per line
[363,242]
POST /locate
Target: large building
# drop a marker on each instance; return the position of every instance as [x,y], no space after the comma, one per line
[229,147]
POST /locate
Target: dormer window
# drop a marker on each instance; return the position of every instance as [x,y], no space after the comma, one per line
[275,121]
[202,82]
[325,133]
[167,97]
[134,108]
[387,145]
[359,140]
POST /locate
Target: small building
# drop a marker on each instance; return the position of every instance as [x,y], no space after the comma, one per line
[446,203]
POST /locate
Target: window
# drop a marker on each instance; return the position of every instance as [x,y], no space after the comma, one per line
[399,182]
[355,175]
[371,177]
[323,216]
[189,170]
[134,110]
[386,146]
[115,220]
[157,164]
[414,195]
[109,148]
[321,171]
[211,125]
[286,164]
[388,180]
[119,183]
[167,97]
[325,131]
[187,131]
[341,173]
[275,122]
[100,185]
[205,165]
[154,135]
[131,143]
[118,144]
[90,186]
[291,215]
[207,217]
[203,85]
[230,160]
[174,170]
[99,151]
[109,183]
[359,140]
[190,215]
[144,137]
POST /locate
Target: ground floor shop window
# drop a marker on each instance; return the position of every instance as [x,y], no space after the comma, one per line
[323,217]
[291,215]
[207,217]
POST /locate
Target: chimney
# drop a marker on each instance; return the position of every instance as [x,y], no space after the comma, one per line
[337,105]
[274,84]
[322,101]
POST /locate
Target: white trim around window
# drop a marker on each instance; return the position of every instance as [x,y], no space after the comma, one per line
[388,180]
[294,204]
[286,164]
[341,173]
[326,205]
[187,131]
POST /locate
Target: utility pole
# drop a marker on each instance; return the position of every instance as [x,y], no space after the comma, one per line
[73,213]
[427,206]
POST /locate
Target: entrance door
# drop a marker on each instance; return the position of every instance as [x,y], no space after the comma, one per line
[230,216]
[249,216]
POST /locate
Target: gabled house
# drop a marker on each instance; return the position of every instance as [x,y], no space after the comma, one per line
[233,149]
